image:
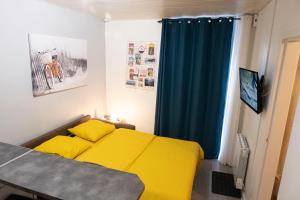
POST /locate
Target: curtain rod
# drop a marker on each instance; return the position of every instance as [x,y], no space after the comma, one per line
[234,18]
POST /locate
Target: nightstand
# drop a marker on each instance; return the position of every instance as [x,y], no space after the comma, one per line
[119,124]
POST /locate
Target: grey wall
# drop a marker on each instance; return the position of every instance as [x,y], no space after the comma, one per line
[22,116]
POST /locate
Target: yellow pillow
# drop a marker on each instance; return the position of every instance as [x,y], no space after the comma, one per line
[64,146]
[92,130]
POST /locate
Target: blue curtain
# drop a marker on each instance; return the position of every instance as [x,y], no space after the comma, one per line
[192,81]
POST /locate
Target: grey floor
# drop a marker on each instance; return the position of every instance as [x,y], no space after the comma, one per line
[202,184]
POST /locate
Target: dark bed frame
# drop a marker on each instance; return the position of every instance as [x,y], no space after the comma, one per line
[63,130]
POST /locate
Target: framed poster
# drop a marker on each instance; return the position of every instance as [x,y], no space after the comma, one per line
[141,64]
[57,63]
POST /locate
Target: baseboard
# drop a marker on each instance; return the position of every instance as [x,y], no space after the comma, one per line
[243,196]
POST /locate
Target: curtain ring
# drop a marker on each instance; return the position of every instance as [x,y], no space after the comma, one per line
[199,21]
[220,20]
[209,21]
[189,22]
[179,22]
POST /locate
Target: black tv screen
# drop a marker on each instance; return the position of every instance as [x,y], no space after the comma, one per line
[251,89]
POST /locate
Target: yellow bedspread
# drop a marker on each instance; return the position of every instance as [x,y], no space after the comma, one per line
[117,150]
[166,166]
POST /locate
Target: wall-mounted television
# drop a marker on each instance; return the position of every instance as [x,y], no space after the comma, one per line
[251,89]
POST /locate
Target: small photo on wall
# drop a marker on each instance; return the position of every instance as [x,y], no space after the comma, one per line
[131,83]
[150,72]
[131,61]
[133,74]
[130,48]
[151,48]
[150,61]
[140,82]
[143,72]
[138,59]
[142,49]
[149,82]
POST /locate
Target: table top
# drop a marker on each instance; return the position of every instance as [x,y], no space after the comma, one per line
[54,177]
[9,152]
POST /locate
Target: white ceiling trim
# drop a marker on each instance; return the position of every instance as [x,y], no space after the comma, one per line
[156,9]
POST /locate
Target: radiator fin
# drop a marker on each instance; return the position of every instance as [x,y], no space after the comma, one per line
[241,156]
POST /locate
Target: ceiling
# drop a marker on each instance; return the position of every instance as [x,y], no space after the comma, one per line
[155,9]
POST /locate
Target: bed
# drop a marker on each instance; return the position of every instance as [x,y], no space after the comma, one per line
[166,166]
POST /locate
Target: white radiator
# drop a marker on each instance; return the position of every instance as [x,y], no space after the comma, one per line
[241,156]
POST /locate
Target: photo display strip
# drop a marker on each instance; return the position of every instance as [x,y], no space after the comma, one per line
[141,63]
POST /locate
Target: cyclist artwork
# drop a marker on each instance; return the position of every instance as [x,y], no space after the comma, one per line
[52,68]
[57,63]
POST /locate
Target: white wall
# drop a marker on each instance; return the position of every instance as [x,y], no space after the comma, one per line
[289,187]
[22,116]
[251,121]
[286,25]
[137,106]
